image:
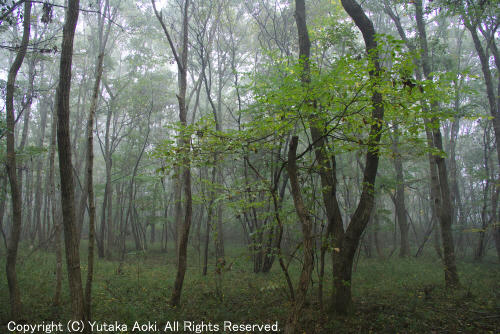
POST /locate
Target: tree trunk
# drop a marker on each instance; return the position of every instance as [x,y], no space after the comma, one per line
[434,182]
[304,218]
[90,179]
[185,144]
[109,204]
[206,242]
[445,205]
[399,198]
[38,168]
[494,102]
[376,239]
[341,299]
[13,243]
[71,237]
[55,215]
[3,200]
[481,245]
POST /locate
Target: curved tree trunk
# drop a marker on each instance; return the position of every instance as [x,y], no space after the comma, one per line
[345,243]
[12,246]
[343,259]
[306,223]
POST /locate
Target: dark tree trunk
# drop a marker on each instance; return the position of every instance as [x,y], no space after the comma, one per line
[71,237]
[15,233]
[345,244]
[342,260]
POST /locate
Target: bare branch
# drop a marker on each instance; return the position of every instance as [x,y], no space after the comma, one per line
[159,16]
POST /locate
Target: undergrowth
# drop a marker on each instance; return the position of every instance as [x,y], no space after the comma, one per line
[390,296]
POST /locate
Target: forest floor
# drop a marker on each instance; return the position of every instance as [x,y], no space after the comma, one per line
[390,296]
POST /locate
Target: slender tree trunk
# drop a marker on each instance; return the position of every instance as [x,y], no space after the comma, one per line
[494,102]
[102,234]
[376,238]
[217,169]
[305,220]
[326,164]
[445,205]
[30,229]
[185,145]
[399,198]
[55,215]
[494,217]
[178,208]
[481,245]
[210,216]
[165,217]
[488,80]
[3,193]
[12,246]
[434,182]
[90,185]
[71,237]
[206,242]
[109,208]
[39,164]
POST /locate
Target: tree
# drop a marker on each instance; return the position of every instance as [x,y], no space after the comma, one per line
[305,220]
[184,180]
[102,41]
[12,246]
[443,202]
[71,237]
[481,16]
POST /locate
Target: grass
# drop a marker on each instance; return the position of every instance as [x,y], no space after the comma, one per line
[390,296]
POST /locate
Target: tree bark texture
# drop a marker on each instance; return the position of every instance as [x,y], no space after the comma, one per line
[71,237]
